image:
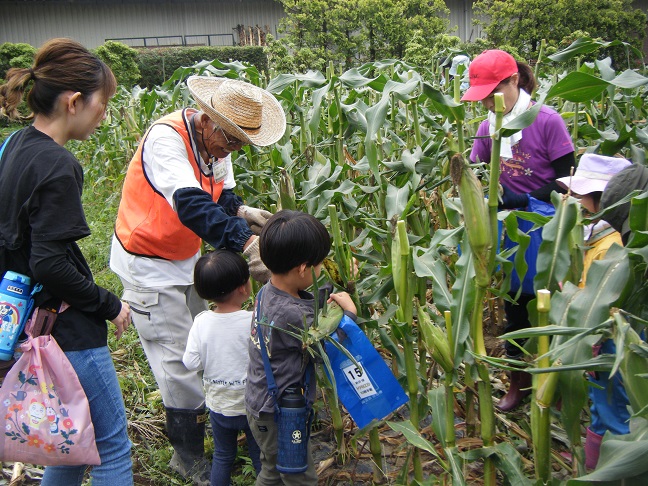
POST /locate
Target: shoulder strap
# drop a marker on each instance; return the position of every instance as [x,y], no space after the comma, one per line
[5,144]
[272,385]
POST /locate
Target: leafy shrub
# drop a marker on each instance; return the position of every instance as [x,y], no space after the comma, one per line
[122,60]
[157,65]
[15,55]
[418,52]
[279,58]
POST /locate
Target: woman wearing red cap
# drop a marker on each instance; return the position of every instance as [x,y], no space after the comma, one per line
[531,161]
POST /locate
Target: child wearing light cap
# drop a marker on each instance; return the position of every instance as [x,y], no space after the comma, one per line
[587,184]
[609,408]
[531,160]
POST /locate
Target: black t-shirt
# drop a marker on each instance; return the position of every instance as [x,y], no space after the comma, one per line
[40,221]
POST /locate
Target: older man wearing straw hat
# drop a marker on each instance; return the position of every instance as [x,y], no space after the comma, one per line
[178,192]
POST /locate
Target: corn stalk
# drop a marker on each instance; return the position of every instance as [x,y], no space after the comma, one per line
[402,273]
[544,386]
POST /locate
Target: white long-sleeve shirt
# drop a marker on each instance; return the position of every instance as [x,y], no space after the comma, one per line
[218,344]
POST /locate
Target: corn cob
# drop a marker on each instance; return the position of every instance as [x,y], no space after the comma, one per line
[286,191]
[547,388]
[476,218]
[327,321]
[435,341]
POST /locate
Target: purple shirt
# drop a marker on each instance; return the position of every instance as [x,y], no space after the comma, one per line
[546,140]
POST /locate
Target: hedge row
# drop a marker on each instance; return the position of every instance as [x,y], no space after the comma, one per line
[157,65]
[154,65]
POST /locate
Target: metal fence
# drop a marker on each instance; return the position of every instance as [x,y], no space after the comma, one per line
[177,40]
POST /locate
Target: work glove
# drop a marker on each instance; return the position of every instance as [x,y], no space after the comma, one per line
[254,217]
[512,200]
[258,270]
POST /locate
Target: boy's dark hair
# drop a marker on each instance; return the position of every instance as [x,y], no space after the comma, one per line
[290,238]
[218,273]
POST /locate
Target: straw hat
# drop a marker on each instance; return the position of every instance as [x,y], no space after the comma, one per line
[246,112]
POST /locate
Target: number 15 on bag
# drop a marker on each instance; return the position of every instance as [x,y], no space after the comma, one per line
[367,388]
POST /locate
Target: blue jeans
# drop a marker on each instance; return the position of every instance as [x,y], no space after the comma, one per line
[225,431]
[609,409]
[98,378]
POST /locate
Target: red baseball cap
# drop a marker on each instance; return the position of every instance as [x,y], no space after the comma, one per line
[488,70]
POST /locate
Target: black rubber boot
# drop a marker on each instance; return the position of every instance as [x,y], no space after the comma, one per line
[186,432]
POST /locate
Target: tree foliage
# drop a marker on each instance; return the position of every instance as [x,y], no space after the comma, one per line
[349,32]
[15,55]
[524,23]
[122,59]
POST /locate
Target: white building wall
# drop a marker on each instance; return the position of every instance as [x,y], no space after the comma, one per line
[461,20]
[91,23]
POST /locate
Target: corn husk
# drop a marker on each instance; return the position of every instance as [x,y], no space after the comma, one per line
[476,217]
[435,341]
[328,320]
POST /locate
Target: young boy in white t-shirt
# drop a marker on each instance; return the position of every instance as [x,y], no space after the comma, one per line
[218,344]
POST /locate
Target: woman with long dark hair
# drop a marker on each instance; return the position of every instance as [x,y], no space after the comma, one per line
[41,220]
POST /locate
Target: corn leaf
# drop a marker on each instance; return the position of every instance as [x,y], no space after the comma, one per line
[629,79]
[316,112]
[354,79]
[445,104]
[437,402]
[414,437]
[463,297]
[430,265]
[456,466]
[578,87]
[312,79]
[521,121]
[554,256]
[639,221]
[586,45]
[396,199]
[622,457]
[507,458]
[376,116]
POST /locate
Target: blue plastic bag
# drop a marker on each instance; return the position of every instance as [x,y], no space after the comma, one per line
[369,392]
[531,254]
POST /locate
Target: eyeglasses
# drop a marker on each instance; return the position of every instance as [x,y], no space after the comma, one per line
[231,141]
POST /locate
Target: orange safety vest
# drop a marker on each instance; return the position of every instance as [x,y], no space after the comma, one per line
[146,224]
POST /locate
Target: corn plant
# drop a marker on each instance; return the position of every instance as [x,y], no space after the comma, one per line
[369,152]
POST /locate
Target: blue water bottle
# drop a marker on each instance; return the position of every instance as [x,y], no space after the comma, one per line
[293,432]
[15,307]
